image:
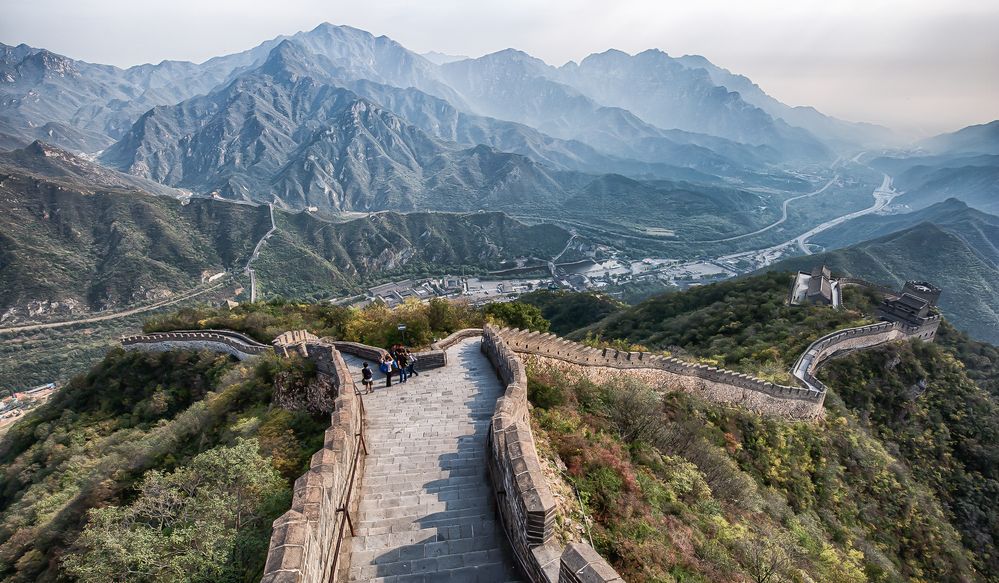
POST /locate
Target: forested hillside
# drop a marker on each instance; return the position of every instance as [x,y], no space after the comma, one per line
[896,483]
[93,243]
[311,257]
[154,467]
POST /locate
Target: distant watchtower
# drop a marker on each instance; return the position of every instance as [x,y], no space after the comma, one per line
[924,290]
[819,287]
[815,287]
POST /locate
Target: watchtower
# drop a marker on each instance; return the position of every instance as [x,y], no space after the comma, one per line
[922,289]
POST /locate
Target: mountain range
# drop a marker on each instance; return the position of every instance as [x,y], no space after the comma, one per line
[76,237]
[336,120]
[962,164]
[340,119]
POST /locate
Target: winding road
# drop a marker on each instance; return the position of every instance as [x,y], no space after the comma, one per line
[114,315]
[883,195]
[775,223]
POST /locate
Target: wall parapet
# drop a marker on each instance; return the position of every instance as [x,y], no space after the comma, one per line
[425,359]
[234,343]
[858,338]
[526,505]
[550,346]
[308,542]
[581,564]
[455,338]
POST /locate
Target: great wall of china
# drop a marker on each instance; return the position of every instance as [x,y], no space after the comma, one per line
[311,542]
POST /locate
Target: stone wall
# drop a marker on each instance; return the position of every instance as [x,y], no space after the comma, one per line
[857,282]
[234,343]
[524,499]
[455,338]
[851,339]
[425,360]
[580,563]
[720,385]
[310,542]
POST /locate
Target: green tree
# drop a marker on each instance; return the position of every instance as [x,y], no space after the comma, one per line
[517,315]
[188,525]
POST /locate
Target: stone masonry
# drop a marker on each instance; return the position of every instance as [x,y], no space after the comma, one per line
[306,542]
[427,511]
[526,505]
[227,341]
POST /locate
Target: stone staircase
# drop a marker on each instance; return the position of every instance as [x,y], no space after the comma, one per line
[427,512]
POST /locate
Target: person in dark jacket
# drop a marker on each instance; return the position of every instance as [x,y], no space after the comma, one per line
[367,379]
[401,359]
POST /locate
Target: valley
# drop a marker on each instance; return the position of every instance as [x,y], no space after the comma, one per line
[329,308]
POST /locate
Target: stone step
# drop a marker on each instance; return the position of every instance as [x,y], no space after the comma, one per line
[418,457]
[443,529]
[462,535]
[455,483]
[468,468]
[452,493]
[374,512]
[427,519]
[427,509]
[479,495]
[425,477]
[450,569]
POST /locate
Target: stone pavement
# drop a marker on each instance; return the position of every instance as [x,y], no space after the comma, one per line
[427,511]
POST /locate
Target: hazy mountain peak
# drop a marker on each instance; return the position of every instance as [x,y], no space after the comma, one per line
[287,55]
[654,52]
[330,27]
[511,54]
[981,138]
[608,56]
[438,58]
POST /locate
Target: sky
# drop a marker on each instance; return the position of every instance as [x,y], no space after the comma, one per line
[920,66]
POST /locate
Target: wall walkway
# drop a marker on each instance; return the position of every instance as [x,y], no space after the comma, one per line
[427,511]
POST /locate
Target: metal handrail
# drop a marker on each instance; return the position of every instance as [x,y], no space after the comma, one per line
[582,508]
[345,506]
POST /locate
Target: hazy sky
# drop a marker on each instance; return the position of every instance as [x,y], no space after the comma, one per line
[926,65]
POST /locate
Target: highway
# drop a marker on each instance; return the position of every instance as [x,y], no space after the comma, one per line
[775,223]
[883,195]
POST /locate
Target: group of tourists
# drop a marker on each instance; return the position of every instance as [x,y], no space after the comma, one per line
[397,361]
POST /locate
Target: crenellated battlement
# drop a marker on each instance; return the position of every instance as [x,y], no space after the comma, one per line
[227,341]
[714,383]
[308,541]
[525,501]
[550,346]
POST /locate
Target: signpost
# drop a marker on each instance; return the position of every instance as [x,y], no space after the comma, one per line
[402,328]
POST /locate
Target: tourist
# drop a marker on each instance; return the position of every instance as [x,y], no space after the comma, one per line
[403,363]
[387,366]
[367,379]
[411,361]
